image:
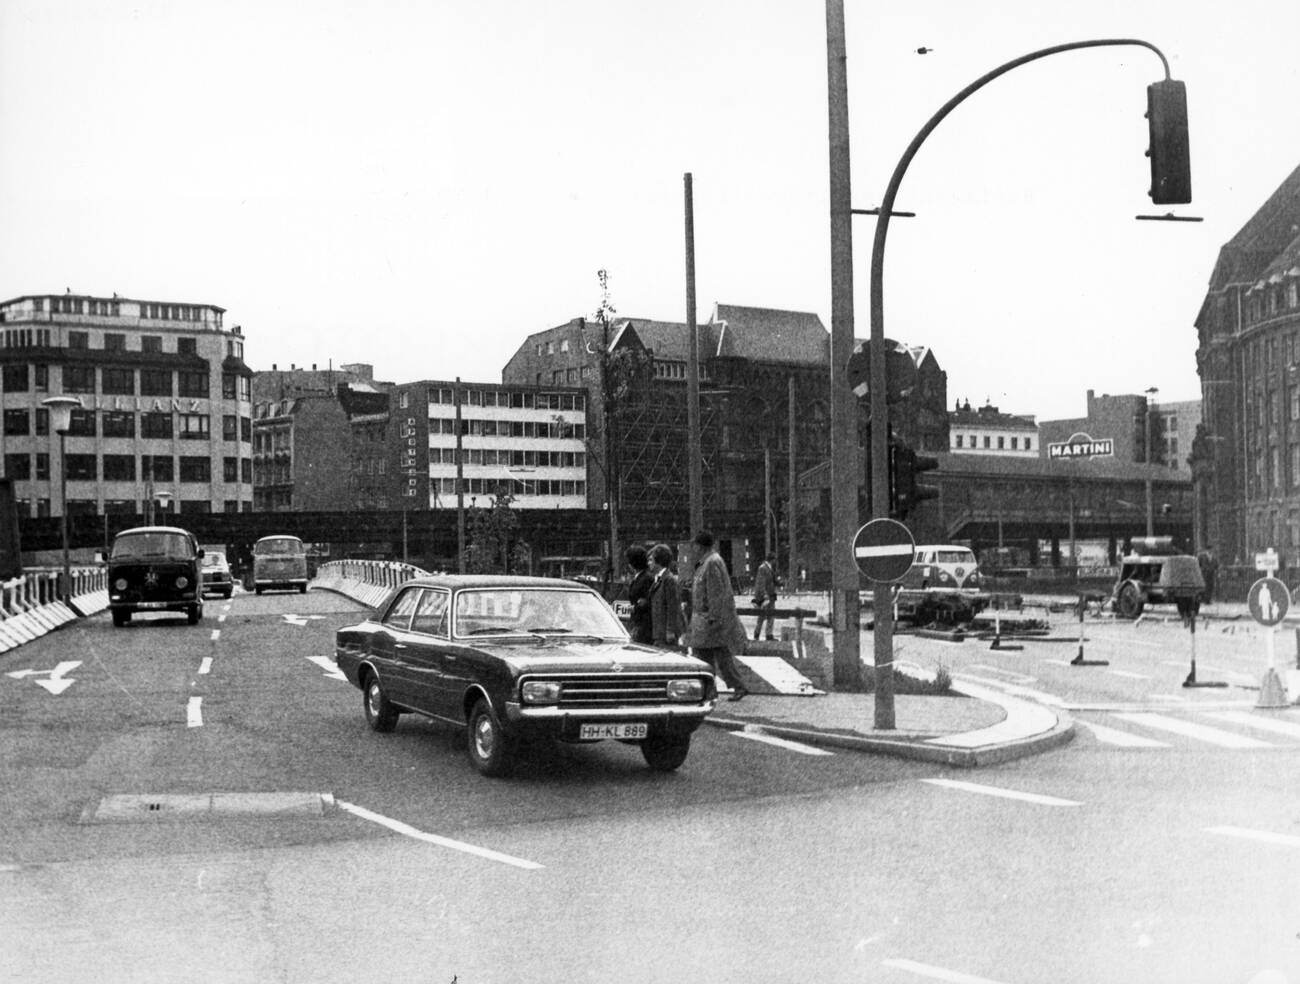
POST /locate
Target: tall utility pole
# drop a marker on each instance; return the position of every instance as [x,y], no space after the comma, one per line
[694,454]
[1150,439]
[460,485]
[846,470]
[792,568]
[611,454]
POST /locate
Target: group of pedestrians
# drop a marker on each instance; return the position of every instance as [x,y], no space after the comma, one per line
[701,615]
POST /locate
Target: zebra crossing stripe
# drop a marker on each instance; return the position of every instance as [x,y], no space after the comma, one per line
[793,746]
[1266,836]
[1189,729]
[1113,736]
[1289,728]
[972,787]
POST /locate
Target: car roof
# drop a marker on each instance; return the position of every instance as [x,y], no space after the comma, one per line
[279,536]
[455,581]
[943,546]
[154,529]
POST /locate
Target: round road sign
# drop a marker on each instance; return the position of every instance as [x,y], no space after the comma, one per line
[884,549]
[1268,601]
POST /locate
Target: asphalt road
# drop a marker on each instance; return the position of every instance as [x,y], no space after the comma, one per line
[1166,854]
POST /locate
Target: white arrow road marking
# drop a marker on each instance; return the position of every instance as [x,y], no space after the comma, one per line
[301,619]
[1288,840]
[971,787]
[327,664]
[57,683]
[408,831]
[793,746]
[937,973]
[1113,736]
[194,713]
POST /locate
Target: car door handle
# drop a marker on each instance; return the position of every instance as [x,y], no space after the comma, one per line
[399,645]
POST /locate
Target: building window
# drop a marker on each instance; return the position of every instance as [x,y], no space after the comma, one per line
[1001,442]
[404,399]
[78,379]
[187,346]
[82,423]
[229,427]
[228,386]
[246,470]
[79,340]
[159,467]
[564,345]
[114,342]
[1028,442]
[42,467]
[119,468]
[82,468]
[18,423]
[18,467]
[193,383]
[230,469]
[957,438]
[14,379]
[194,427]
[155,382]
[42,422]
[151,343]
[119,423]
[42,374]
[246,429]
[986,440]
[195,468]
[156,424]
[120,382]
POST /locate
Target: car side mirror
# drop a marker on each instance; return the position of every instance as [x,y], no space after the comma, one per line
[200,553]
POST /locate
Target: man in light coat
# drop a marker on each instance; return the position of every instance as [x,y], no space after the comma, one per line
[716,629]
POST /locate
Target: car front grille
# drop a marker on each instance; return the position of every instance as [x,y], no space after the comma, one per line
[613,691]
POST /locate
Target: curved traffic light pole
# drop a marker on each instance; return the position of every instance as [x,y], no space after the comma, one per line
[882,599]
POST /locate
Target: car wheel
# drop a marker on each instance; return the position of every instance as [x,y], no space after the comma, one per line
[1128,604]
[665,754]
[193,614]
[489,749]
[259,590]
[381,715]
[228,593]
[302,589]
[121,617]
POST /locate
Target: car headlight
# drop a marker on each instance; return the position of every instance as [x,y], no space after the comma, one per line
[120,584]
[685,689]
[541,692]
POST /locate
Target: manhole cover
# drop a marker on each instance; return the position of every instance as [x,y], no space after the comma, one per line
[144,807]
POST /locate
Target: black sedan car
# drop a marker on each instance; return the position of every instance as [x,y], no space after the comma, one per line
[522,659]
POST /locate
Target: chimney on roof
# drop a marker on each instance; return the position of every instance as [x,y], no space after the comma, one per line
[313,367]
[273,369]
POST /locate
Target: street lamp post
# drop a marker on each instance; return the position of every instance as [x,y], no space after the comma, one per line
[61,408]
[1151,397]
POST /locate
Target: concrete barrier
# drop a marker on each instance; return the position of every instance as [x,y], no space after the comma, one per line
[30,606]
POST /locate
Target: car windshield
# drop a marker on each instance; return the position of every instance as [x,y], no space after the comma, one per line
[151,545]
[214,560]
[524,611]
[279,545]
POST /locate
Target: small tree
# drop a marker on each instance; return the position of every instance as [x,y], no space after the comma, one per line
[494,546]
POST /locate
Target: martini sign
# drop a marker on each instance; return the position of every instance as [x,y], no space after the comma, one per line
[1082,446]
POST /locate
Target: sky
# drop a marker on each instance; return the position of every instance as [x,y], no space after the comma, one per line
[420,185]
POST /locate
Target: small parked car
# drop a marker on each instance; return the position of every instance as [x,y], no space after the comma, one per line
[217,578]
[279,562]
[1154,572]
[517,660]
[155,569]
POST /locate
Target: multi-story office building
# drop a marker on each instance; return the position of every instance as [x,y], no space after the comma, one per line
[988,431]
[165,405]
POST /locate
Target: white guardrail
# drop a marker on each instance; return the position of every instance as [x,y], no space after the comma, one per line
[367,581]
[30,605]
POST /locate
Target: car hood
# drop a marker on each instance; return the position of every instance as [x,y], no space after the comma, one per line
[567,656]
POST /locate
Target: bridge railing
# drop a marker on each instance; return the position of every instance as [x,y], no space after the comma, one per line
[31,604]
[367,581]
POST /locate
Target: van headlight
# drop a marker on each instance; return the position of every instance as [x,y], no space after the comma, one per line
[540,692]
[686,690]
[182,582]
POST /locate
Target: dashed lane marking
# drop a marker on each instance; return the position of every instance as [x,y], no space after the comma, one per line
[971,787]
[792,746]
[1130,675]
[1266,836]
[194,713]
[205,666]
[408,831]
[1113,736]
[216,634]
[938,973]
[1189,729]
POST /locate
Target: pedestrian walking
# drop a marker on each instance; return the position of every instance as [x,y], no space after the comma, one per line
[765,597]
[1209,572]
[716,630]
[667,622]
[638,594]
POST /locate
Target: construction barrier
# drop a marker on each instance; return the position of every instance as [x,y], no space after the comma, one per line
[31,606]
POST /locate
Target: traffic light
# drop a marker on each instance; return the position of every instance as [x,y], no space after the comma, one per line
[905,493]
[1171,162]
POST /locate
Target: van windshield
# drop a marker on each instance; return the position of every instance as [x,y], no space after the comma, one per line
[151,545]
[955,557]
[280,545]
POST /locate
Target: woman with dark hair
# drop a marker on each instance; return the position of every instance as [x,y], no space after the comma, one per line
[667,625]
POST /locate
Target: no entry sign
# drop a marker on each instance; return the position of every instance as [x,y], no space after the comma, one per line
[884,549]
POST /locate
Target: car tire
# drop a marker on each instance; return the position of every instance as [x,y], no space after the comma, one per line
[489,749]
[381,715]
[121,617]
[258,589]
[302,589]
[193,614]
[1128,603]
[665,754]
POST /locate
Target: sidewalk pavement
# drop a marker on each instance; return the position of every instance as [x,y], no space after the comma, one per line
[982,727]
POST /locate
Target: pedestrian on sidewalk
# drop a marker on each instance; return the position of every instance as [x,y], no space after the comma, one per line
[638,594]
[765,597]
[716,630]
[667,622]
